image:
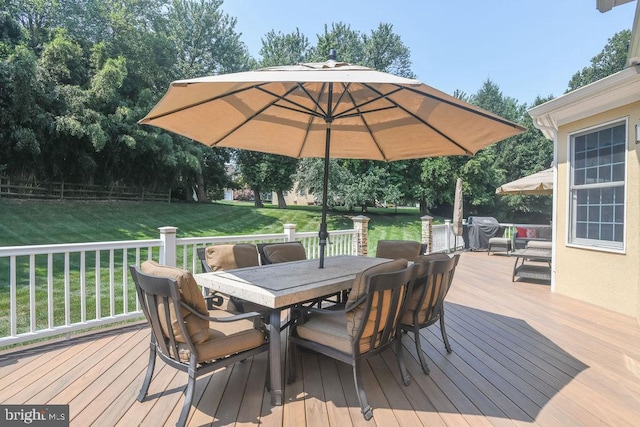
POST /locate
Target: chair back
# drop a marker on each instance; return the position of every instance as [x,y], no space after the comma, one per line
[396,249]
[432,281]
[228,257]
[161,302]
[273,253]
[375,303]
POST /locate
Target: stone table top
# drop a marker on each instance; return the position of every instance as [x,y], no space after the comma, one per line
[285,284]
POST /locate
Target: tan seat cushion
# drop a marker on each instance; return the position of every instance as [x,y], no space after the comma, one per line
[422,266]
[225,339]
[396,249]
[539,244]
[355,317]
[502,240]
[328,330]
[198,329]
[229,257]
[331,331]
[285,252]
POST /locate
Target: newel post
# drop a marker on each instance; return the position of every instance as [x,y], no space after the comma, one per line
[361,240]
[289,232]
[168,248]
[427,232]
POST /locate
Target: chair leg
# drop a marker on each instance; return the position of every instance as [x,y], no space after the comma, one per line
[423,363]
[293,354]
[150,367]
[406,379]
[267,380]
[444,333]
[365,408]
[188,398]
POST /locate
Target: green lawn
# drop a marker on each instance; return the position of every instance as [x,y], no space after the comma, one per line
[31,222]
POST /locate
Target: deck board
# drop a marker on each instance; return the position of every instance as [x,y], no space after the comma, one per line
[521,356]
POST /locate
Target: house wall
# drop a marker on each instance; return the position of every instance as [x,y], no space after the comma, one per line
[296,197]
[607,279]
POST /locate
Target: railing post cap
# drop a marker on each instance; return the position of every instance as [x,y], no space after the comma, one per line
[360,218]
[168,229]
[289,226]
[426,218]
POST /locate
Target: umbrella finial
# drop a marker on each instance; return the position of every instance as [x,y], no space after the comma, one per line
[332,54]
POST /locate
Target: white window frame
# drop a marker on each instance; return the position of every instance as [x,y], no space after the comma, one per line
[597,244]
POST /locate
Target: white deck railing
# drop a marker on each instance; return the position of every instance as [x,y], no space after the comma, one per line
[48,290]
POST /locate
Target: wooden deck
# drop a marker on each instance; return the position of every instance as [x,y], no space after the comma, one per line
[521,356]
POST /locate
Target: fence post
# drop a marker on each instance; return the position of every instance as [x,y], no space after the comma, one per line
[168,248]
[427,232]
[289,232]
[447,230]
[361,241]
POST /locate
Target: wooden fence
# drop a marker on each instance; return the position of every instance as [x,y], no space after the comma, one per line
[13,188]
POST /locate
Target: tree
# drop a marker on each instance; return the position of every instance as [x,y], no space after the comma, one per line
[251,168]
[284,49]
[612,59]
[205,39]
[385,51]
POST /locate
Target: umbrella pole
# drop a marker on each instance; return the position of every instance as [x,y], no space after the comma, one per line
[324,234]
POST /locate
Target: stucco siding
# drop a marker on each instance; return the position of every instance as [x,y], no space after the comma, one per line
[608,279]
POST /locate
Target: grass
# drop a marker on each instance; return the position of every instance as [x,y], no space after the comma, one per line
[33,222]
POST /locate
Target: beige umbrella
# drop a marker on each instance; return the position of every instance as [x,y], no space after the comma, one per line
[457,209]
[326,110]
[537,183]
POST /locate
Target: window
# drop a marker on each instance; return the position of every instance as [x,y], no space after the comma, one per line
[597,186]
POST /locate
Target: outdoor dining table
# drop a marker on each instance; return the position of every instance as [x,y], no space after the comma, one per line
[281,286]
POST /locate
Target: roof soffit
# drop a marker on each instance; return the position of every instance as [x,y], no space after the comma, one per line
[603,95]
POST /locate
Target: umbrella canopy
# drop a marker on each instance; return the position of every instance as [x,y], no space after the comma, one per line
[457,209]
[327,110]
[537,183]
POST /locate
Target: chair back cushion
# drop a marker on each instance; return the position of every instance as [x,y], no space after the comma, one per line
[229,257]
[396,249]
[190,294]
[355,317]
[284,252]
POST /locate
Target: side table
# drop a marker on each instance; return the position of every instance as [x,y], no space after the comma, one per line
[532,264]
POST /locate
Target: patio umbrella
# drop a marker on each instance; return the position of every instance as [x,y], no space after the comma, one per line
[457,209]
[327,110]
[537,183]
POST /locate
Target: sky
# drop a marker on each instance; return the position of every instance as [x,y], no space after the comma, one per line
[526,47]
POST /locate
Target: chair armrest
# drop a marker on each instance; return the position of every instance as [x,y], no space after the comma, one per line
[214,299]
[329,311]
[250,315]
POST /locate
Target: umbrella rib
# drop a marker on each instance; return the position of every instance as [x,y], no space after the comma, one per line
[364,121]
[315,101]
[351,113]
[463,107]
[196,104]
[306,135]
[421,120]
[362,113]
[252,116]
[301,108]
